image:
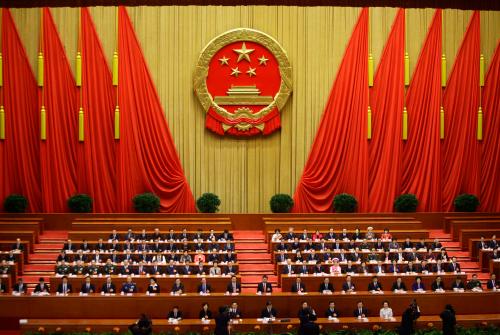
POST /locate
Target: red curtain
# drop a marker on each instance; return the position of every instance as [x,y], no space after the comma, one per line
[490,176]
[58,152]
[460,150]
[21,146]
[338,161]
[421,165]
[387,101]
[146,157]
[96,173]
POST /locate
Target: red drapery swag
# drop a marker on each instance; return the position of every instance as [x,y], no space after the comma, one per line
[22,144]
[460,149]
[58,152]
[421,164]
[490,178]
[96,173]
[146,155]
[387,102]
[338,161]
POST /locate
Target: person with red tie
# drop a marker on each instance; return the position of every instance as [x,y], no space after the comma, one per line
[264,287]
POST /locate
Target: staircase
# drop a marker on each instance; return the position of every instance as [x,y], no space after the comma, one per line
[463,257]
[254,259]
[41,262]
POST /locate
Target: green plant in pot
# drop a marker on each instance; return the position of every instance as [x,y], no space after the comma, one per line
[146,203]
[281,203]
[15,203]
[406,203]
[80,203]
[466,203]
[345,203]
[208,203]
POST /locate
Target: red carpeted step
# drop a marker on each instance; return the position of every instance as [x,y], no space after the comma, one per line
[451,244]
[257,279]
[34,279]
[439,233]
[54,234]
[253,289]
[254,257]
[39,267]
[48,246]
[242,234]
[250,246]
[469,265]
[257,267]
[43,257]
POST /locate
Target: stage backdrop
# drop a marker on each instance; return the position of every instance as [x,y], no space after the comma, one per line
[246,173]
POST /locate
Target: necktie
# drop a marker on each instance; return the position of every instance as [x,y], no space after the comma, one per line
[204,288]
[264,287]
[360,311]
[88,287]
[64,288]
[108,287]
[298,287]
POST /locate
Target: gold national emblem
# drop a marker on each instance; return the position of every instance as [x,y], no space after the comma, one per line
[243,79]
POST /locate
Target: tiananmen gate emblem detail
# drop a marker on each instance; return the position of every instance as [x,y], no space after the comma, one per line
[243,79]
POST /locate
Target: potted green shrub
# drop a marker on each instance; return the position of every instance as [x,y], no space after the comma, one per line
[15,203]
[406,203]
[466,203]
[146,203]
[208,203]
[281,203]
[345,203]
[80,203]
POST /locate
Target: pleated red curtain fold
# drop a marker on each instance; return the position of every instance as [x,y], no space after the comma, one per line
[146,156]
[58,151]
[460,148]
[96,172]
[490,147]
[22,122]
[338,160]
[421,156]
[387,102]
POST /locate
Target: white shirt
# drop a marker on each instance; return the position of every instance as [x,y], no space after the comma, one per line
[386,313]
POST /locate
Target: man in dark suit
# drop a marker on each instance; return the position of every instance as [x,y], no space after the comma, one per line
[233,287]
[42,287]
[303,269]
[332,311]
[113,236]
[437,284]
[108,286]
[298,286]
[269,311]
[374,286]
[3,288]
[398,285]
[234,311]
[64,287]
[68,246]
[326,287]
[360,311]
[204,288]
[18,246]
[288,269]
[348,285]
[492,283]
[454,266]
[87,287]
[264,287]
[350,268]
[458,284]
[175,313]
[20,287]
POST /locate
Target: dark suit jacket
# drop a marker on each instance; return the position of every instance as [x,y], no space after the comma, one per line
[356,312]
[39,288]
[176,288]
[152,289]
[16,288]
[208,289]
[490,285]
[345,288]
[324,287]
[265,313]
[112,288]
[230,288]
[435,286]
[3,288]
[331,313]
[295,289]
[69,289]
[371,287]
[401,286]
[203,314]
[83,289]
[269,288]
[451,269]
[288,272]
[171,315]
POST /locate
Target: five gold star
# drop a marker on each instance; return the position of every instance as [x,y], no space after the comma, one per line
[243,53]
[224,60]
[235,72]
[263,60]
[251,72]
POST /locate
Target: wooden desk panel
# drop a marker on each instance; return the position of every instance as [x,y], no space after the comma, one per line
[119,307]
[456,226]
[137,226]
[361,282]
[218,283]
[466,234]
[7,246]
[495,267]
[24,235]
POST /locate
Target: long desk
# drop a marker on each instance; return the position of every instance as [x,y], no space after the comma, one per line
[247,325]
[218,283]
[495,267]
[118,307]
[361,282]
